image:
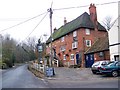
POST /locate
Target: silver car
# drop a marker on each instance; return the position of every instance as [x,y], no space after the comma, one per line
[97,65]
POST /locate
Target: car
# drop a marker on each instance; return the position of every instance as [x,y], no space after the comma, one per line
[112,69]
[97,65]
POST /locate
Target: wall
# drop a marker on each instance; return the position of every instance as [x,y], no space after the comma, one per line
[114,39]
[105,57]
[68,39]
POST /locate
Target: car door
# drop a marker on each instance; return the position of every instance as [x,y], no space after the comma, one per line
[119,67]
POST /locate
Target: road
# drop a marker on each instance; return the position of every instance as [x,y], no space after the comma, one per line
[21,77]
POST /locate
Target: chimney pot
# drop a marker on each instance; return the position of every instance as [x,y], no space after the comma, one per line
[65,21]
[55,29]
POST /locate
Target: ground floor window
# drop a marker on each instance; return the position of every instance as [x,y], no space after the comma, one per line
[72,57]
[64,57]
[116,57]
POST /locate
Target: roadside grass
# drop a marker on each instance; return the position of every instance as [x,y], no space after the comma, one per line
[36,72]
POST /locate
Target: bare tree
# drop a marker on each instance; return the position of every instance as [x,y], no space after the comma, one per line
[107,22]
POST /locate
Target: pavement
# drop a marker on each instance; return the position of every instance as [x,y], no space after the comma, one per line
[76,74]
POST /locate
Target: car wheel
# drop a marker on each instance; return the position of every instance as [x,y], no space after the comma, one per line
[114,73]
[93,72]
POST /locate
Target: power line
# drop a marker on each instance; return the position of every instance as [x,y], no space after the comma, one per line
[22,22]
[37,25]
[84,6]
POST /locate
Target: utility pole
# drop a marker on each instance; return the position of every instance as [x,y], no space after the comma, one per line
[51,57]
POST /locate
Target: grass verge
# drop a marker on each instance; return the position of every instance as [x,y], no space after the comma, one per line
[36,72]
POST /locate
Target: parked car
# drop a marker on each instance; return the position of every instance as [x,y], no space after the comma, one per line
[111,69]
[97,65]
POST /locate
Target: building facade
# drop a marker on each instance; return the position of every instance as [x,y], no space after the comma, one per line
[114,38]
[98,51]
[74,38]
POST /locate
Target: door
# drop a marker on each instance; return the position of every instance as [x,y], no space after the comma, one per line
[89,60]
[77,59]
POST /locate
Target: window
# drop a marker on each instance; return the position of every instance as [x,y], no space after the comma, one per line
[75,34]
[88,43]
[116,57]
[62,48]
[72,57]
[74,45]
[101,54]
[87,31]
[64,57]
[62,39]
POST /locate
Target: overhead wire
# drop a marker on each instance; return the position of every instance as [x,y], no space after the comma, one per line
[36,25]
[84,6]
[54,10]
[23,22]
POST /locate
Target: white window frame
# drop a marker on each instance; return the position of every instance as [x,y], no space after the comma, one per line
[62,48]
[75,34]
[64,57]
[74,45]
[87,31]
[86,42]
[62,39]
[72,57]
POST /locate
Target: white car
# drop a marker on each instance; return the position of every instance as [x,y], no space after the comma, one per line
[97,65]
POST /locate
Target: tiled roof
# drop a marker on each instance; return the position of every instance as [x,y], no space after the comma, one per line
[83,21]
[100,44]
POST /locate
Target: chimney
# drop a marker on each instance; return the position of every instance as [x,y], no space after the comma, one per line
[65,21]
[55,29]
[93,14]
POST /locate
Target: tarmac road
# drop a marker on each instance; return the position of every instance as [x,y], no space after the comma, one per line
[21,77]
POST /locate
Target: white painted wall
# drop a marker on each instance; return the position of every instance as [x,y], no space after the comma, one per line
[114,37]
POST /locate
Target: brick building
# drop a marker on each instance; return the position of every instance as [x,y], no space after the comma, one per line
[98,51]
[74,38]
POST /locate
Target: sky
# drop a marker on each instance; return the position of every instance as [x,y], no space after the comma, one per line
[13,12]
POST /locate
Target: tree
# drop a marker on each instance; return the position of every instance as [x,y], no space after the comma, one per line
[107,22]
[8,48]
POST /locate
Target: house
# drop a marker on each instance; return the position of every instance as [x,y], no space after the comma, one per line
[114,38]
[98,51]
[74,38]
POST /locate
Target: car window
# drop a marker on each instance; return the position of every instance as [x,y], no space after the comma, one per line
[111,64]
[96,63]
[104,63]
[118,64]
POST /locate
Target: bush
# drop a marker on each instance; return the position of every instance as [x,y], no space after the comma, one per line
[74,66]
[61,63]
[8,62]
[4,66]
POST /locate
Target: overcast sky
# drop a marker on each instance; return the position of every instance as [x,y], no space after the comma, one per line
[13,12]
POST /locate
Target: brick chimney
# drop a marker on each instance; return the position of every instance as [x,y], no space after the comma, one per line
[93,15]
[65,21]
[55,29]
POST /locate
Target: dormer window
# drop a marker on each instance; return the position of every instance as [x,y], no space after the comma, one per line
[87,31]
[88,43]
[62,39]
[75,34]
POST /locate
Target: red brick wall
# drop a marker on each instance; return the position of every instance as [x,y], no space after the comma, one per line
[106,56]
[68,39]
